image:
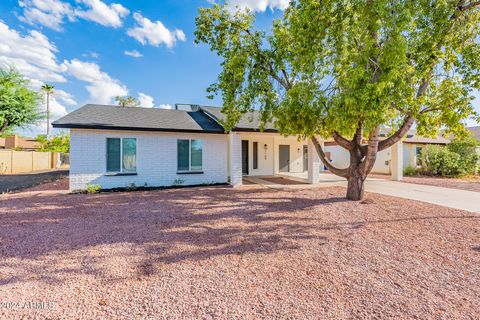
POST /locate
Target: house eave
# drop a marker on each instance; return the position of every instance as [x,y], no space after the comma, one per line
[120,128]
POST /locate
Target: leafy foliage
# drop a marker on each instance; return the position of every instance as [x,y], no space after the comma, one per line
[326,65]
[347,68]
[127,101]
[59,143]
[19,105]
[94,188]
[456,159]
[468,150]
[410,171]
[438,160]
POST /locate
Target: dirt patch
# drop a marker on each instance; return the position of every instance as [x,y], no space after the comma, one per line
[251,252]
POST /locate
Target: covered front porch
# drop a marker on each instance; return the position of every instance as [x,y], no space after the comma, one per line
[255,154]
[269,154]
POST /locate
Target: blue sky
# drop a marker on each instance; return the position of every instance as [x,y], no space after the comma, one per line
[94,50]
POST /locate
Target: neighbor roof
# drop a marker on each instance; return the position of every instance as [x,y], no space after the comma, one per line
[475,131]
[92,116]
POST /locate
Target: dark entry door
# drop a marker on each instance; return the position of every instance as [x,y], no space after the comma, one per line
[245,157]
[305,158]
[284,158]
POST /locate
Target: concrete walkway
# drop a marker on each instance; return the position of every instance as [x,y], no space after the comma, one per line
[452,198]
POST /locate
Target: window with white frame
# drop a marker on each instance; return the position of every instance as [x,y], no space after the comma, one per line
[122,155]
[189,155]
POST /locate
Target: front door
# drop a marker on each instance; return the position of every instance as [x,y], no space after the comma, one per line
[305,158]
[245,157]
[284,158]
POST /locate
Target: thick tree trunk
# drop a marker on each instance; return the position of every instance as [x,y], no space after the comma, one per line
[355,188]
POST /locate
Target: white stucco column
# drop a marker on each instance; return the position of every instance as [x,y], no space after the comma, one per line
[314,163]
[396,163]
[235,144]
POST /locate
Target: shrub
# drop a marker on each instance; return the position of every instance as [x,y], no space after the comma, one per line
[439,160]
[178,182]
[410,171]
[467,149]
[94,188]
[132,187]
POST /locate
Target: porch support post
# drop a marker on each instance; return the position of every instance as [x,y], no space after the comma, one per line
[396,163]
[314,164]
[235,159]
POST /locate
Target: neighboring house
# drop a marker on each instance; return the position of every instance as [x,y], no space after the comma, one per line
[16,142]
[412,149]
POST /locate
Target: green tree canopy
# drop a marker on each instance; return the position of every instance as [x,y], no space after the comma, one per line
[58,143]
[127,101]
[345,69]
[19,105]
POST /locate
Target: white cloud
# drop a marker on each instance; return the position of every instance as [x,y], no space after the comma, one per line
[146,101]
[65,97]
[154,33]
[49,13]
[33,55]
[259,5]
[102,88]
[133,53]
[101,13]
[53,13]
[91,54]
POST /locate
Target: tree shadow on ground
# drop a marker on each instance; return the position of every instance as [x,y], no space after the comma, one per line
[165,227]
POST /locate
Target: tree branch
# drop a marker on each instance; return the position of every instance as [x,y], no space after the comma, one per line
[4,126]
[347,144]
[371,154]
[339,172]
[469,6]
[390,141]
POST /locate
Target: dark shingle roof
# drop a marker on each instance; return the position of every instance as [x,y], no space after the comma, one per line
[93,116]
[249,122]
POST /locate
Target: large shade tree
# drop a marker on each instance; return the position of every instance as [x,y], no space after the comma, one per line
[347,69]
[19,104]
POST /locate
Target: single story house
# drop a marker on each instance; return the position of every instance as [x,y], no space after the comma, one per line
[116,147]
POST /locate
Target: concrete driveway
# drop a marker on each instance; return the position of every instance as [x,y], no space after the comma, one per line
[451,198]
[447,197]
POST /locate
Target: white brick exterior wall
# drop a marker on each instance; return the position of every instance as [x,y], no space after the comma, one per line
[156,159]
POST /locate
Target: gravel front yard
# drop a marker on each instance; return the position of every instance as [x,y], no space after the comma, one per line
[253,252]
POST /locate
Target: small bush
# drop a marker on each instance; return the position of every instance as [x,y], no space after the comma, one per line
[410,171]
[132,187]
[94,188]
[178,182]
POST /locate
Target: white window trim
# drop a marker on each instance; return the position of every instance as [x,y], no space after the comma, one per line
[189,157]
[121,155]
